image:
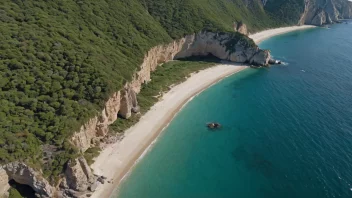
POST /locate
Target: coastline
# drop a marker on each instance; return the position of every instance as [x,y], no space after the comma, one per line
[263,35]
[116,160]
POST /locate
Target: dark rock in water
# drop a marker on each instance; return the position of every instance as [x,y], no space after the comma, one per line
[213,125]
[272,61]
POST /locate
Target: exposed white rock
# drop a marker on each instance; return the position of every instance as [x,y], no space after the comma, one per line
[83,139]
[78,175]
[23,174]
[262,57]
[240,27]
[4,182]
[319,12]
[222,46]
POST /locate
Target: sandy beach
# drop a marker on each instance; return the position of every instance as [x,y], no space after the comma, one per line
[263,35]
[115,161]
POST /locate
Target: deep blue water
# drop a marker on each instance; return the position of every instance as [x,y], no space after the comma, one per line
[287,130]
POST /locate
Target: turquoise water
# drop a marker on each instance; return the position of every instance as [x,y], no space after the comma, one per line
[287,130]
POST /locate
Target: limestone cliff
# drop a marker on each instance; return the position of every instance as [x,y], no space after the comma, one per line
[319,12]
[225,46]
[240,27]
[23,174]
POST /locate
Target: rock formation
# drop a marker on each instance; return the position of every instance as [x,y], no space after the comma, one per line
[319,12]
[129,103]
[240,27]
[78,174]
[23,174]
[225,46]
[4,182]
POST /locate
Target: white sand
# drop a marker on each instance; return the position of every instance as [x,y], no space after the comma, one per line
[115,161]
[261,36]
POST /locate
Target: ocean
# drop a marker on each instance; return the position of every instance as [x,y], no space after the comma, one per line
[286,130]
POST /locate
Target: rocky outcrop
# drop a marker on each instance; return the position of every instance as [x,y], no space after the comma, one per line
[23,174]
[129,103]
[319,12]
[240,27]
[78,175]
[225,46]
[97,128]
[262,57]
[77,181]
[4,182]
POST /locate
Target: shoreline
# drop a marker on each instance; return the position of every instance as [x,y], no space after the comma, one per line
[266,34]
[117,160]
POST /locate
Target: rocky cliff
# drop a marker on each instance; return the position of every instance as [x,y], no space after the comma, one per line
[23,174]
[77,177]
[319,12]
[240,27]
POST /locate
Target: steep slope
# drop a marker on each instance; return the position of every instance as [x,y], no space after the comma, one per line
[314,12]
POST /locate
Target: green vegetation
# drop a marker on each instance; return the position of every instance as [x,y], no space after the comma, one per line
[288,11]
[13,193]
[167,75]
[91,153]
[60,60]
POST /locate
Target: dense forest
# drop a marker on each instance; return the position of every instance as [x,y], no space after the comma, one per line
[60,60]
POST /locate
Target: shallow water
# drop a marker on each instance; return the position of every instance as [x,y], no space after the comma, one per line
[287,130]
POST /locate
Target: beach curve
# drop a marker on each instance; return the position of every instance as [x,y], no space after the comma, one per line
[117,160]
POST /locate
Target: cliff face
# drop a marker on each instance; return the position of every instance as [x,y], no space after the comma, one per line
[223,46]
[319,12]
[23,174]
[240,27]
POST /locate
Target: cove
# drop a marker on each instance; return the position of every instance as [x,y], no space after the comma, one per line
[287,130]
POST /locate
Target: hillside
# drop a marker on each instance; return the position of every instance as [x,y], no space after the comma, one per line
[61,61]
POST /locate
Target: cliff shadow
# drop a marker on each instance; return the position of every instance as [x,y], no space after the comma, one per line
[23,190]
[211,59]
[208,59]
